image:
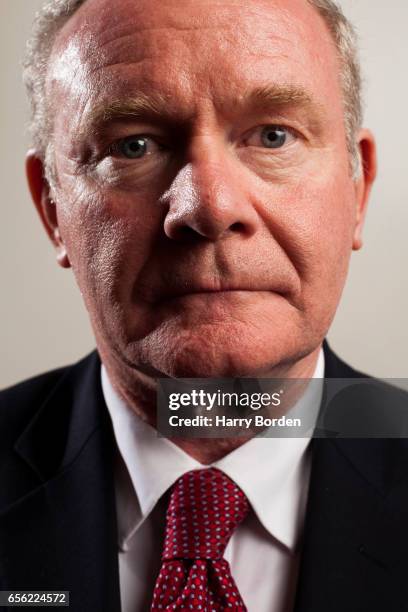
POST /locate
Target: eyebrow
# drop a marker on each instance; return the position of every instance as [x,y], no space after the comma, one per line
[278,98]
[275,96]
[140,106]
[156,107]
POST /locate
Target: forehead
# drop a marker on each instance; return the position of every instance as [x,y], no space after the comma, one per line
[192,50]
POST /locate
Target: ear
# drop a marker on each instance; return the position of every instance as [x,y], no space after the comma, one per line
[46,207]
[368,157]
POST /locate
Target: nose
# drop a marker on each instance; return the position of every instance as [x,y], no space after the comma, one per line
[208,200]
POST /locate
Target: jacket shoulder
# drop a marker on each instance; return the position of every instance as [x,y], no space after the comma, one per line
[20,402]
[27,396]
[356,405]
[35,418]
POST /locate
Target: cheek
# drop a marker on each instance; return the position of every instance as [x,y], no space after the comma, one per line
[107,244]
[334,227]
[313,220]
[326,234]
[323,219]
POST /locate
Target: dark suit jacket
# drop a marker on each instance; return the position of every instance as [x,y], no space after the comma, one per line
[57,510]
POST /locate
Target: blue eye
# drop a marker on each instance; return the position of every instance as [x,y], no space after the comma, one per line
[133,147]
[273,137]
[270,137]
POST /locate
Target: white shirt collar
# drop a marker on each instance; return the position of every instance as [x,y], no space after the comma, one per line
[270,471]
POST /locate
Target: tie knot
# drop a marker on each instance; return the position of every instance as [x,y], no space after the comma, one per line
[205,508]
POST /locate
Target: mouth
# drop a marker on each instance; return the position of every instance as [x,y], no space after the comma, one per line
[206,292]
[212,289]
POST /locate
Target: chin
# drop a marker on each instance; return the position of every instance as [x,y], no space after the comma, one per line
[217,351]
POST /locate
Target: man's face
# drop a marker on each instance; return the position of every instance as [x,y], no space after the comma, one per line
[204,194]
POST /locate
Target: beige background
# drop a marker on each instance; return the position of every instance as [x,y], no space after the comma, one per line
[43,323]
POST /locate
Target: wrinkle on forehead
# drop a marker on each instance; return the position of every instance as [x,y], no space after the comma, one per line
[205,49]
[102,34]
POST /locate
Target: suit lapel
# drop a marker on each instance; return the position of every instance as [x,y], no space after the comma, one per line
[354,542]
[66,524]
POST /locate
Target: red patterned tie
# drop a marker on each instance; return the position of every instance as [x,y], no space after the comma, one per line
[204,510]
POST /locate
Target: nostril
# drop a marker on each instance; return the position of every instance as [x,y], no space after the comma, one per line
[186,233]
[237,227]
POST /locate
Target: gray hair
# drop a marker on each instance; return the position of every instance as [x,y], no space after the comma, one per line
[55,13]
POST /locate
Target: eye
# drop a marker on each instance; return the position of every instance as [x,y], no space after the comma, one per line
[270,137]
[134,147]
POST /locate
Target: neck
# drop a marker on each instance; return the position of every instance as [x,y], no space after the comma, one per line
[139,391]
